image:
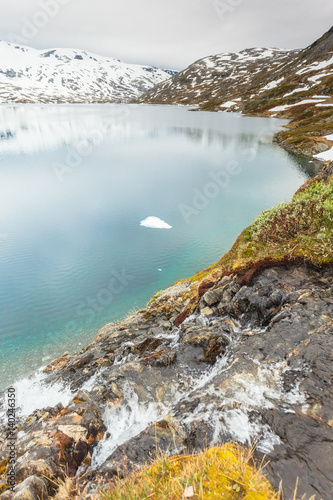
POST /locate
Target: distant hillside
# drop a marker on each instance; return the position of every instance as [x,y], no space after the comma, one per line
[215,81]
[295,84]
[68,75]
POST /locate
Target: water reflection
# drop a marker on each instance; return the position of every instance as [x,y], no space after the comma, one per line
[31,128]
[67,234]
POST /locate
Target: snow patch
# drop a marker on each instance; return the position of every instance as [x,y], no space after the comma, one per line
[228,104]
[302,89]
[273,84]
[326,155]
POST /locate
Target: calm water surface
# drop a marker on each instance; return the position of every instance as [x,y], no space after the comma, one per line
[76,181]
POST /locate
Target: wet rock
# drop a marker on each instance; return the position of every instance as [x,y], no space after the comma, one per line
[199,433]
[306,452]
[146,344]
[270,342]
[8,495]
[34,468]
[216,347]
[142,448]
[165,357]
[256,304]
[230,291]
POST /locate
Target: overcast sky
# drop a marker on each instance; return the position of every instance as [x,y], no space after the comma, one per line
[168,33]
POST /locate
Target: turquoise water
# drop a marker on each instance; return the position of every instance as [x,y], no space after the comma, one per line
[76,181]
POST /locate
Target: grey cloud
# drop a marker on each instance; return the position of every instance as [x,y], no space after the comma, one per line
[171,33]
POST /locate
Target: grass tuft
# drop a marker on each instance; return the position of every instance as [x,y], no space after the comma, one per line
[221,472]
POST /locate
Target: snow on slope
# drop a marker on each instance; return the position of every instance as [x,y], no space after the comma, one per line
[223,77]
[69,75]
[236,81]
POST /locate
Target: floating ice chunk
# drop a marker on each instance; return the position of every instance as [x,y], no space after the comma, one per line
[154,223]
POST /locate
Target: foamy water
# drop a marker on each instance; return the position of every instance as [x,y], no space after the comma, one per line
[33,393]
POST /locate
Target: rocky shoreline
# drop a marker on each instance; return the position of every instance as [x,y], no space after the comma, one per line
[252,362]
[241,352]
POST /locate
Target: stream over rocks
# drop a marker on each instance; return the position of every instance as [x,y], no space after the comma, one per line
[251,363]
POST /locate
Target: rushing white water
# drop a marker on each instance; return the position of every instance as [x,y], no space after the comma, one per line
[126,421]
[32,393]
[230,405]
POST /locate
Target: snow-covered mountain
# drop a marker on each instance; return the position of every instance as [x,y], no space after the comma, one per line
[239,81]
[219,79]
[295,84]
[69,75]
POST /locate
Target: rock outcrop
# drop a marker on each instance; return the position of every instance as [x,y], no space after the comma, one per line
[252,362]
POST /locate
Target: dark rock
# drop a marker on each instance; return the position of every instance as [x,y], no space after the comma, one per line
[307,453]
[271,344]
[165,357]
[141,449]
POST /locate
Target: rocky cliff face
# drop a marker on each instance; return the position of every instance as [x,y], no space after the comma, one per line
[241,355]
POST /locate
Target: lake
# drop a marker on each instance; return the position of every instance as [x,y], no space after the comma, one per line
[104,205]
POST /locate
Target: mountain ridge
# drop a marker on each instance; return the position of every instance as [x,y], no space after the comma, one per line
[296,84]
[28,75]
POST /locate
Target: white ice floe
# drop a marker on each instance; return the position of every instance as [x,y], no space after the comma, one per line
[155,223]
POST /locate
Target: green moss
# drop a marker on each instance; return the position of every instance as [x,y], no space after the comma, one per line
[300,228]
[3,488]
[154,297]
